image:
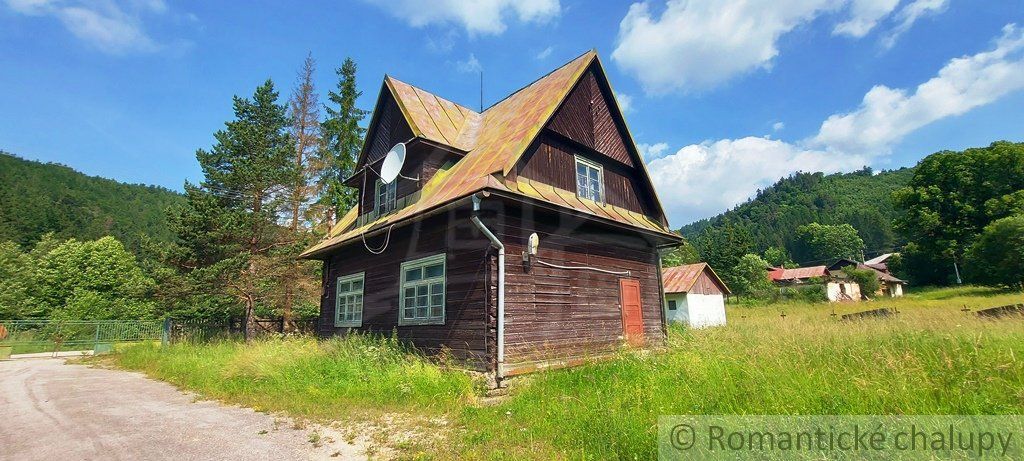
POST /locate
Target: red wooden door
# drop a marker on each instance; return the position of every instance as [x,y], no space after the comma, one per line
[632,312]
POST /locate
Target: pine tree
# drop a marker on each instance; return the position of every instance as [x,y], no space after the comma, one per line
[342,142]
[229,226]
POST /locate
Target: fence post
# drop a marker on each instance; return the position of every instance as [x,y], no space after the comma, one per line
[165,337]
[96,338]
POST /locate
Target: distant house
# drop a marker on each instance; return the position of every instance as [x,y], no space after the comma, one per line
[837,286]
[548,176]
[889,285]
[694,295]
[880,262]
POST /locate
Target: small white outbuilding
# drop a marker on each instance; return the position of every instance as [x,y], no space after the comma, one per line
[694,295]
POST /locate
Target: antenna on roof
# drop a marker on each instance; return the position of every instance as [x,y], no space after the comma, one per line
[481,91]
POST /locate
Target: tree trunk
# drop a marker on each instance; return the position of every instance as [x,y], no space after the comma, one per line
[250,305]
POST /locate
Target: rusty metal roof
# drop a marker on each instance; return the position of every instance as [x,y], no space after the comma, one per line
[681,279]
[494,142]
[798,273]
[435,118]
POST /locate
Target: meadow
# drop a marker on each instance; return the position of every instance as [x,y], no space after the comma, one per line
[934,357]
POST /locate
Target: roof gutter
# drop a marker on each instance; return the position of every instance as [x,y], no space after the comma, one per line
[501,280]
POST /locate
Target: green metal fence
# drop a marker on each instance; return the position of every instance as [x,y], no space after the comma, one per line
[27,336]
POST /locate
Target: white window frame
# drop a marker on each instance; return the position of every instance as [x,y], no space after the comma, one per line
[390,190]
[428,283]
[600,178]
[357,321]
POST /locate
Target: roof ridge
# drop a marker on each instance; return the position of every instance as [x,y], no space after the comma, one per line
[542,77]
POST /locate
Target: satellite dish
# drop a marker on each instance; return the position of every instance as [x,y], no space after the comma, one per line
[393,162]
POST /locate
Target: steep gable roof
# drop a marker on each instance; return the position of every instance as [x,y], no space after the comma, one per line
[681,279]
[494,141]
[434,118]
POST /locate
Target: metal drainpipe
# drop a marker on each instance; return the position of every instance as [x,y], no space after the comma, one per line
[501,283]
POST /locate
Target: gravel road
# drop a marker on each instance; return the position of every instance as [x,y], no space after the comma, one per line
[50,410]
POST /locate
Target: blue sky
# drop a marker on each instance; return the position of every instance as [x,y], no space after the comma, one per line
[724,96]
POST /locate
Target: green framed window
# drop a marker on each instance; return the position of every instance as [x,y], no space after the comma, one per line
[589,180]
[422,295]
[385,197]
[348,301]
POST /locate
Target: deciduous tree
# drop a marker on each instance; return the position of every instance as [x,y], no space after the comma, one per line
[950,199]
[997,257]
[824,243]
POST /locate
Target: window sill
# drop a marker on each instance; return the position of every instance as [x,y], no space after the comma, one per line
[347,325]
[412,323]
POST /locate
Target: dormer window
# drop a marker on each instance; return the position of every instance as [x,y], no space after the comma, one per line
[385,197]
[589,180]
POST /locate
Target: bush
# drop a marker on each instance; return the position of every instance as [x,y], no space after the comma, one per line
[997,258]
[866,278]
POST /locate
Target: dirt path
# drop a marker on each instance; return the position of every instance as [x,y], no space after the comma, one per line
[50,410]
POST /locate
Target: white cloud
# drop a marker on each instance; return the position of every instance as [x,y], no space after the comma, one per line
[886,115]
[696,45]
[476,16]
[545,53]
[703,179]
[864,16]
[910,14]
[107,25]
[778,126]
[470,66]
[652,151]
[699,44]
[625,102]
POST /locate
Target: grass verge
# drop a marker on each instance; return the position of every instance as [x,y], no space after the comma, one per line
[355,376]
[932,358]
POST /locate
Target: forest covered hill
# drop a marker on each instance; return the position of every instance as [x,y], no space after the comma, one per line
[37,198]
[862,199]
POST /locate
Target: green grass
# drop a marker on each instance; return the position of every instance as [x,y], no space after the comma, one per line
[359,375]
[931,359]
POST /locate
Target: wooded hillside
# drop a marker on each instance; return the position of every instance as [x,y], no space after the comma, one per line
[37,198]
[862,199]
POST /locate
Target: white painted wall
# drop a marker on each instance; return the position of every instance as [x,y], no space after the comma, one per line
[834,290]
[696,310]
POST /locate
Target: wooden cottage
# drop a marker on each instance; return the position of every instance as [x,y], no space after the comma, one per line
[694,295]
[440,256]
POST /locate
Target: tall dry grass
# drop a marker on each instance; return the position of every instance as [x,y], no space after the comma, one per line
[932,358]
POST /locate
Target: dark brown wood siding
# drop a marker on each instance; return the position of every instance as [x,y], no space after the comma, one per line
[551,314]
[565,314]
[553,161]
[586,118]
[468,263]
[390,129]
